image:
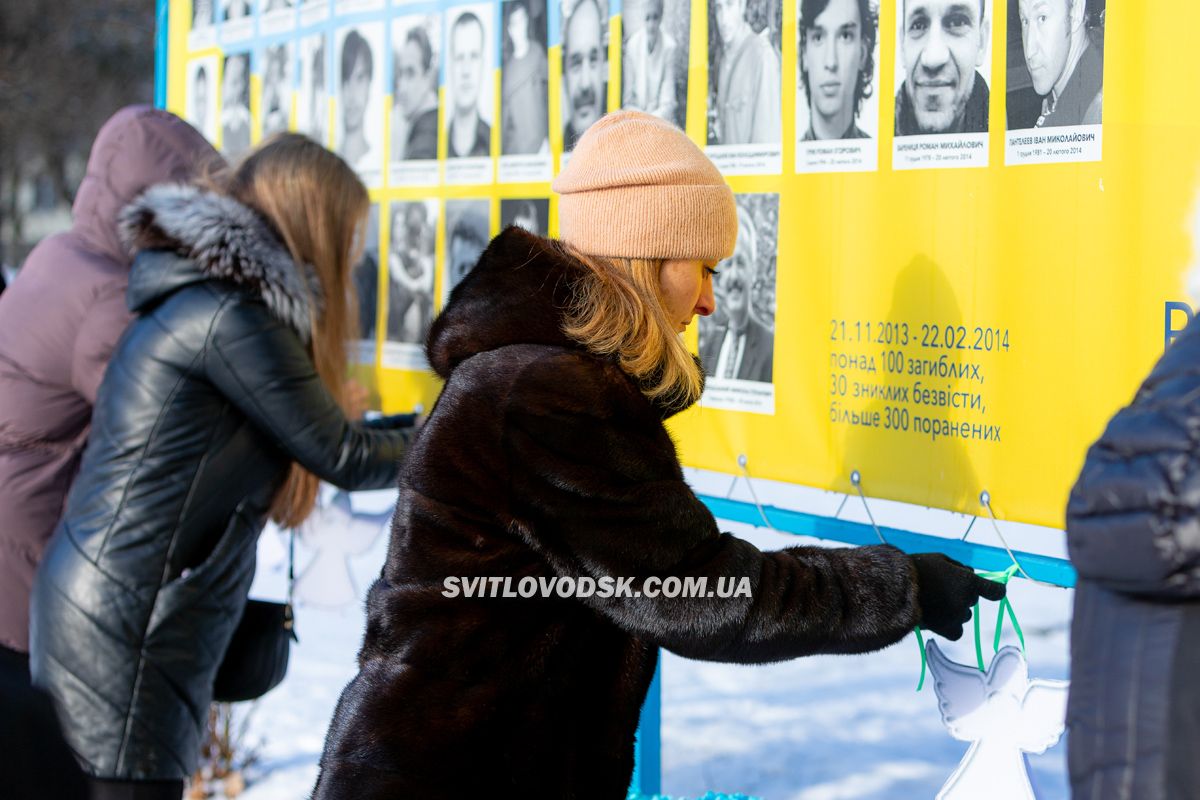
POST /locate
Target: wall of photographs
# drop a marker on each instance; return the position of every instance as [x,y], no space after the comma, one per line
[961,221]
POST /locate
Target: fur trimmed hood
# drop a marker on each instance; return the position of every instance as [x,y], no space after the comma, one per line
[214,238]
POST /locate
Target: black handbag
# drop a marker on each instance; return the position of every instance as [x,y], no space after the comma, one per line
[256,660]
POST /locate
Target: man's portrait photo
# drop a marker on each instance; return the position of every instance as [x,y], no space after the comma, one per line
[1055,63]
[837,67]
[584,67]
[415,88]
[202,94]
[531,214]
[525,79]
[738,341]
[276,105]
[314,100]
[654,57]
[360,97]
[744,73]
[202,14]
[366,276]
[467,234]
[469,79]
[235,9]
[944,45]
[410,271]
[235,105]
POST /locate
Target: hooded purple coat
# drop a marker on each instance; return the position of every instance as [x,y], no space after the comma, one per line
[59,322]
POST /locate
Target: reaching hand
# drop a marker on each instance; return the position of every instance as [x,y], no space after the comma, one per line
[947,591]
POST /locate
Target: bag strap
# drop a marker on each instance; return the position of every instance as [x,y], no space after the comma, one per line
[289,619]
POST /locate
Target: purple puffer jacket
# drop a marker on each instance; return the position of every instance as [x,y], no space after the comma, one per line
[59,322]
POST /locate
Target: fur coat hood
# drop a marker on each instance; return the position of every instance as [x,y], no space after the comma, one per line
[518,293]
[217,238]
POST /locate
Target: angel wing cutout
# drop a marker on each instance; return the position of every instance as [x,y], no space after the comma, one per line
[1003,714]
[335,533]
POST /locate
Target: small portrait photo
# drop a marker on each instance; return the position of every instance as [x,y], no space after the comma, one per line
[467,234]
[744,73]
[838,66]
[943,65]
[359,132]
[524,79]
[202,14]
[655,36]
[410,270]
[469,34]
[201,101]
[584,67]
[235,9]
[271,6]
[737,342]
[276,104]
[366,277]
[532,214]
[313,103]
[1055,63]
[235,105]
[415,68]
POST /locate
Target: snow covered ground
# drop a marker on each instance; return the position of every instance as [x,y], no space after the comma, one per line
[821,728]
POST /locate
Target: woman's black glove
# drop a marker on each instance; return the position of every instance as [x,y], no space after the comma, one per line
[947,591]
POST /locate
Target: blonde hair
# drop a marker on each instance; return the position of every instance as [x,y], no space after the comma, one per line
[316,204]
[617,310]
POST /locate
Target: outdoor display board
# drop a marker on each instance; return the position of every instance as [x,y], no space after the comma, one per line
[964,225]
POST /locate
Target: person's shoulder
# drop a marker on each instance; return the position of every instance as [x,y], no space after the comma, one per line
[560,380]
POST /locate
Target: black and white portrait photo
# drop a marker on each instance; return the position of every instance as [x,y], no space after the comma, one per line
[366,282]
[415,65]
[201,99]
[656,36]
[237,20]
[737,342]
[468,231]
[276,6]
[532,214]
[359,132]
[410,269]
[469,81]
[202,14]
[837,74]
[275,107]
[942,67]
[744,73]
[236,9]
[584,67]
[942,72]
[313,103]
[276,16]
[1055,78]
[235,105]
[524,79]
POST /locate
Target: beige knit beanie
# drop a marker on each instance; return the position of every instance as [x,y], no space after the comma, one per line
[637,187]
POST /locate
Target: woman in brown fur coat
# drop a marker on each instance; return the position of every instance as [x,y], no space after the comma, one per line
[546,459]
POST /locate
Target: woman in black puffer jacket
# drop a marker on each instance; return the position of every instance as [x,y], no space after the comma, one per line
[219,408]
[1133,529]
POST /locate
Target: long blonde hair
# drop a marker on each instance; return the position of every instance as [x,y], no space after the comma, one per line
[617,310]
[316,204]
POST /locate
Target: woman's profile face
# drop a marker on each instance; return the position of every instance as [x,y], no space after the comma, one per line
[687,290]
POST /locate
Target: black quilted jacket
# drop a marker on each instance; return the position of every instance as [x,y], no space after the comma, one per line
[1133,528]
[208,398]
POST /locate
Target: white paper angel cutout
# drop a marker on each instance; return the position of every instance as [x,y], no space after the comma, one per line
[1004,715]
[335,532]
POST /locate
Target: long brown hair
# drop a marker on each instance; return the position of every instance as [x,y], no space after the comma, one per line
[617,310]
[317,205]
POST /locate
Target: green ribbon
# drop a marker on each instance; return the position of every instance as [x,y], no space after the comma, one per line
[1005,607]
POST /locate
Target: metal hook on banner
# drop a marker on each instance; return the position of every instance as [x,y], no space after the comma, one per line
[856,482]
[742,463]
[985,499]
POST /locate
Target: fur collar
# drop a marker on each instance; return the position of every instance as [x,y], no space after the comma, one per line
[227,241]
[516,294]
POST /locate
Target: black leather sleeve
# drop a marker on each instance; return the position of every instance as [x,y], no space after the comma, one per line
[264,369]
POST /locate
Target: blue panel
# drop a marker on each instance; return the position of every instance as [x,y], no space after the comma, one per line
[1043,568]
[647,749]
[161,39]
